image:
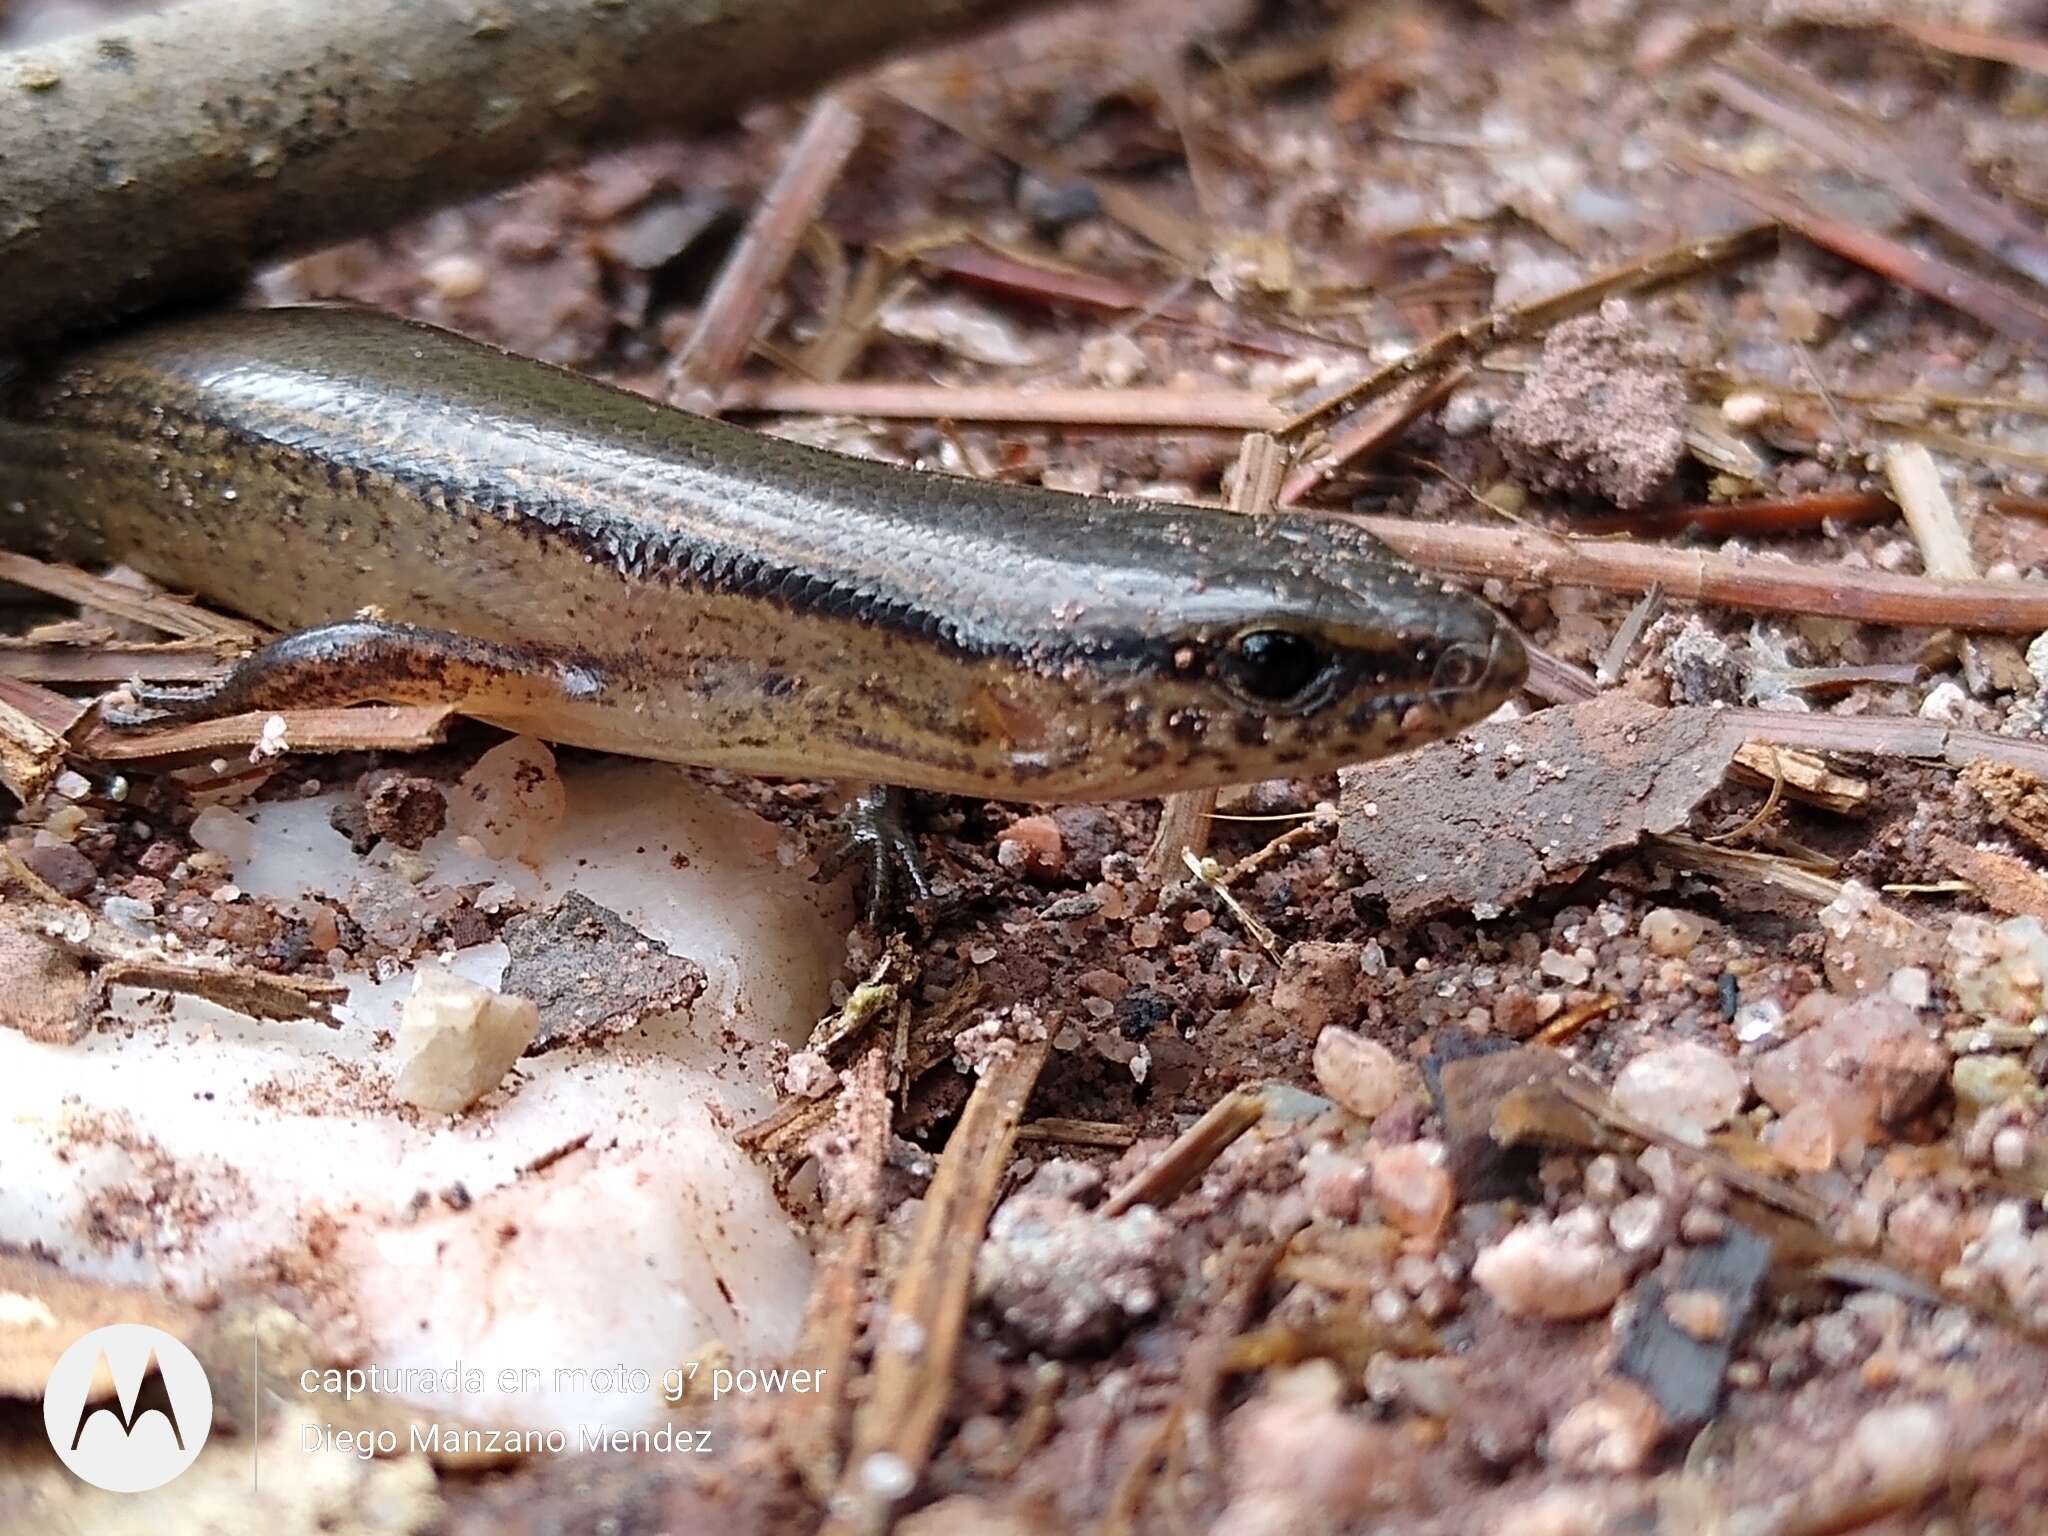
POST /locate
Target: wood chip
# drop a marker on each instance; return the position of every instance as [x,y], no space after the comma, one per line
[363,728]
[1682,1371]
[44,992]
[2018,799]
[2006,884]
[31,754]
[1804,775]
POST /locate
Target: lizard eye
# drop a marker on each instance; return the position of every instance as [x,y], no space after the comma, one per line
[1272,666]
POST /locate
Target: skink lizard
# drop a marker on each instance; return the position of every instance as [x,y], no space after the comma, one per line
[438,521]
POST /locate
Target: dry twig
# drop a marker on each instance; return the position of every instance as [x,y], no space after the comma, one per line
[1369,431]
[1184,818]
[2020,52]
[361,728]
[1695,576]
[1188,1157]
[911,1380]
[1805,110]
[810,1427]
[1992,303]
[158,610]
[1223,410]
[1477,337]
[1944,547]
[738,303]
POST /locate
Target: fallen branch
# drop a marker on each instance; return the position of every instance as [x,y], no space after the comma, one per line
[242,130]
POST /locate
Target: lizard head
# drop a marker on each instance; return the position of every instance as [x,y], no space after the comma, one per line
[1252,648]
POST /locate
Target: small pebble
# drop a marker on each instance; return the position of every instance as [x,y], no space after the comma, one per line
[1747,410]
[1702,1315]
[1412,1188]
[1758,1020]
[403,808]
[1838,1340]
[1360,1074]
[1911,985]
[1945,703]
[1602,1179]
[62,867]
[1639,1223]
[1686,1090]
[887,1476]
[1982,1081]
[128,914]
[1569,969]
[1701,1224]
[219,830]
[1558,1270]
[1671,932]
[2009,1149]
[457,1040]
[1113,359]
[1803,1139]
[510,801]
[1904,1447]
[1613,1431]
[64,823]
[456,276]
[1033,845]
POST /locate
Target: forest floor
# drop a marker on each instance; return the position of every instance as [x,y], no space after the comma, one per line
[1625,1117]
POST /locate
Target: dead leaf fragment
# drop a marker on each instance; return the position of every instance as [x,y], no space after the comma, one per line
[1483,821]
[591,973]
